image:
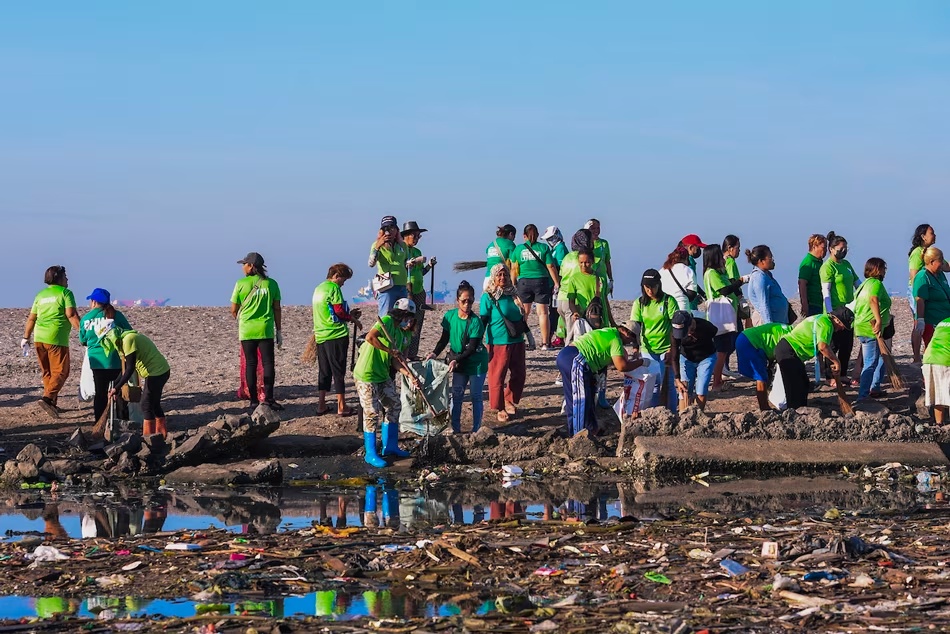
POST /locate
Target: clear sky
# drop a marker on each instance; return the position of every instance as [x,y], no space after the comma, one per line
[148,146]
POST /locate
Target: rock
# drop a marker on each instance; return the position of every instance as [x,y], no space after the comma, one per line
[127,463]
[246,472]
[872,410]
[98,480]
[628,433]
[581,445]
[62,468]
[11,471]
[264,415]
[131,441]
[114,451]
[28,470]
[485,436]
[156,443]
[237,420]
[78,440]
[220,424]
[812,413]
[920,406]
[32,454]
[189,452]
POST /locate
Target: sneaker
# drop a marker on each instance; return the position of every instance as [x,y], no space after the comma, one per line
[48,407]
[559,382]
[545,347]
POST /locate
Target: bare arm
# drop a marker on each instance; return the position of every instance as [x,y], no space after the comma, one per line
[234,309]
[875,305]
[73,317]
[825,350]
[515,271]
[921,307]
[552,271]
[30,323]
[803,296]
[277,314]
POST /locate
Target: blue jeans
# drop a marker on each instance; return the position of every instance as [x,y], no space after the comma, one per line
[697,375]
[386,299]
[475,383]
[873,372]
[672,400]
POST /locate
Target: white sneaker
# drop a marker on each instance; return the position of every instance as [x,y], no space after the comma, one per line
[559,382]
[732,375]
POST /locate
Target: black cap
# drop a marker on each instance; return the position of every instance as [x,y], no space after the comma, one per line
[844,315]
[409,227]
[681,322]
[651,277]
[388,221]
[254,259]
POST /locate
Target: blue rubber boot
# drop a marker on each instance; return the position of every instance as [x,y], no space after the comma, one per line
[602,399]
[369,507]
[390,507]
[391,441]
[372,458]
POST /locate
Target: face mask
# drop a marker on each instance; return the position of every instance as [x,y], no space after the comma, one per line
[404,324]
[841,253]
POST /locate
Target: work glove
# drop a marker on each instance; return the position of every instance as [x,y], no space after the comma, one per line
[432,262]
[278,340]
[25,346]
[919,328]
[610,286]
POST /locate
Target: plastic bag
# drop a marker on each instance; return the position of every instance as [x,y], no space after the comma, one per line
[777,395]
[638,388]
[415,415]
[722,314]
[87,382]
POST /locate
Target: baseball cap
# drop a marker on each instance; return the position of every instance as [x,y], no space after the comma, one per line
[253,258]
[550,232]
[100,295]
[651,277]
[406,305]
[388,221]
[844,315]
[694,241]
[681,321]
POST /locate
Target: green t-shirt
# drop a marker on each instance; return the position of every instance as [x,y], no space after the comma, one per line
[599,347]
[810,271]
[255,297]
[52,326]
[461,330]
[935,292]
[372,364]
[326,325]
[713,280]
[813,330]
[938,350]
[843,280]
[569,266]
[498,252]
[98,359]
[871,287]
[496,332]
[657,320]
[766,337]
[558,253]
[417,282]
[581,289]
[148,360]
[392,259]
[601,257]
[915,261]
[528,266]
[732,269]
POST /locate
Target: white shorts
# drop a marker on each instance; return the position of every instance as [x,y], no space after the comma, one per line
[937,384]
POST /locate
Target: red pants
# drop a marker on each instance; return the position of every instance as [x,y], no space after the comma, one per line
[504,360]
[928,334]
[54,362]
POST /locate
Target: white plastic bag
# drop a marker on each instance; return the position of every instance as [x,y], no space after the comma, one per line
[777,395]
[87,383]
[637,389]
[722,314]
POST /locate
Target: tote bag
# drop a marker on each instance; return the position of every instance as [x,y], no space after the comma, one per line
[721,313]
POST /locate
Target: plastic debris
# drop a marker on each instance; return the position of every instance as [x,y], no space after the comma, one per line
[733,568]
[47,553]
[657,577]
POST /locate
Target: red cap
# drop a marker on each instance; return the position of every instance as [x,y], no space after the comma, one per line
[693,241]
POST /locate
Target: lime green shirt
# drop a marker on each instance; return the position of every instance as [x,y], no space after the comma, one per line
[810,271]
[766,337]
[498,252]
[417,282]
[326,325]
[601,257]
[148,360]
[52,327]
[496,333]
[938,350]
[392,260]
[529,267]
[732,269]
[599,347]
[255,297]
[713,280]
[843,281]
[804,337]
[581,289]
[569,266]
[863,315]
[915,261]
[935,292]
[657,320]
[98,359]
[460,332]
[372,364]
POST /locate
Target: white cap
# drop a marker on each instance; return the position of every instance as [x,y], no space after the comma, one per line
[406,305]
[549,233]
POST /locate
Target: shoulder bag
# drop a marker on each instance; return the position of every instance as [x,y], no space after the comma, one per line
[595,311]
[690,294]
[514,328]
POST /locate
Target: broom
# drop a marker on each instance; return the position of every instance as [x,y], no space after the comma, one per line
[843,403]
[897,381]
[309,355]
[468,265]
[99,429]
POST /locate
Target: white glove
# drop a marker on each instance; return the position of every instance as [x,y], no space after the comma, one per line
[25,346]
[278,340]
[432,262]
[745,278]
[921,324]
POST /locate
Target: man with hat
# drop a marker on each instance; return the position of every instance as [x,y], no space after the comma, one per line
[418,269]
[693,355]
[389,255]
[694,247]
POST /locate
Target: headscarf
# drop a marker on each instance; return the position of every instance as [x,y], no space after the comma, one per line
[497,291]
[583,239]
[552,235]
[109,334]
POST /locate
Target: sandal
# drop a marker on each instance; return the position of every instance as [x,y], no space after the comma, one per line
[322,412]
[502,416]
[510,408]
[347,411]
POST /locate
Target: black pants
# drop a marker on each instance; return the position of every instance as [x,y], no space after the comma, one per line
[103,380]
[266,346]
[842,342]
[794,375]
[151,404]
[331,361]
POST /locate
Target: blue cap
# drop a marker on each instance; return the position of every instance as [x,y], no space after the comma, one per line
[100,295]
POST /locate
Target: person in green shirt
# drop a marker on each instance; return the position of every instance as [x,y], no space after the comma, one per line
[809,276]
[932,293]
[872,313]
[331,314]
[552,236]
[463,332]
[811,337]
[255,304]
[143,358]
[581,240]
[731,248]
[535,276]
[653,312]
[718,284]
[390,255]
[381,353]
[419,267]
[601,249]
[924,236]
[936,370]
[503,314]
[500,249]
[755,348]
[52,317]
[838,283]
[579,364]
[105,367]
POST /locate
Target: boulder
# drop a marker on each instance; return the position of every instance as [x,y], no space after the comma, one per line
[28,470]
[582,445]
[61,468]
[264,415]
[485,436]
[32,454]
[238,473]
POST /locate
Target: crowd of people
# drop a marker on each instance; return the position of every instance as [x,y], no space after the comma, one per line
[689,326]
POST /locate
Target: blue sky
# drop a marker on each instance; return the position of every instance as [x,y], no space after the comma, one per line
[147,146]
